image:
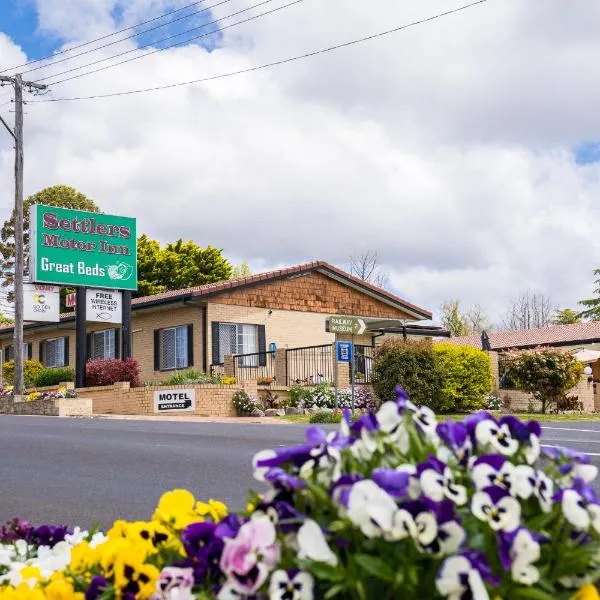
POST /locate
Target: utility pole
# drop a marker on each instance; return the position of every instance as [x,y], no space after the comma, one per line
[17,82]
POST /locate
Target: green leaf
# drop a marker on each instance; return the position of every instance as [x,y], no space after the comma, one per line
[376,566]
[322,571]
[533,593]
[334,590]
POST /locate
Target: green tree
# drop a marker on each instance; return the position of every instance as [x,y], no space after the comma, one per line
[6,320]
[178,265]
[241,270]
[453,320]
[592,305]
[57,195]
[547,374]
[566,316]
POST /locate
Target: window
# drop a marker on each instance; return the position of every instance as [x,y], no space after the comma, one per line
[9,352]
[173,348]
[238,338]
[104,345]
[55,352]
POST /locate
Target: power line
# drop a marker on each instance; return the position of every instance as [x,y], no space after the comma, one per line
[55,62]
[268,12]
[159,41]
[271,64]
[104,37]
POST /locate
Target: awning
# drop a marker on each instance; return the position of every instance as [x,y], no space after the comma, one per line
[397,326]
[587,356]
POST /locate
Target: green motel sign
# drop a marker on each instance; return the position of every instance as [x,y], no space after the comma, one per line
[80,248]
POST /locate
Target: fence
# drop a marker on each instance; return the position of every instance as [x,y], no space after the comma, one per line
[258,365]
[310,365]
[363,363]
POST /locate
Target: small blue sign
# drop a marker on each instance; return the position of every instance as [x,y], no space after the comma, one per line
[344,351]
[273,348]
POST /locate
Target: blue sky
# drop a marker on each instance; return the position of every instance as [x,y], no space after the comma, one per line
[18,19]
[587,153]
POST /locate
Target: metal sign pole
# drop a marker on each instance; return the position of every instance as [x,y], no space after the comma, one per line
[352,370]
[80,338]
[335,358]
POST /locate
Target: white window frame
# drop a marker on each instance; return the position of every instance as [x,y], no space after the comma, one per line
[246,342]
[180,359]
[108,344]
[61,354]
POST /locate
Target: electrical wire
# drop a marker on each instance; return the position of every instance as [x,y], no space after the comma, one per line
[271,64]
[268,12]
[56,62]
[104,37]
[157,42]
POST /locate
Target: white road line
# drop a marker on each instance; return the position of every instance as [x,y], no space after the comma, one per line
[572,429]
[588,453]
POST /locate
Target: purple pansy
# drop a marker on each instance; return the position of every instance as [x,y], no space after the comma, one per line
[579,465]
[463,576]
[497,507]
[491,435]
[282,480]
[495,469]
[340,490]
[14,530]
[518,550]
[580,505]
[458,442]
[228,527]
[203,549]
[395,483]
[96,588]
[528,433]
[47,535]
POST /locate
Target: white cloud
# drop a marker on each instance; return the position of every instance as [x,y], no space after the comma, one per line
[446,147]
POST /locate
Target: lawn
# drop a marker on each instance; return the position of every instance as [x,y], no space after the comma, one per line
[304,419]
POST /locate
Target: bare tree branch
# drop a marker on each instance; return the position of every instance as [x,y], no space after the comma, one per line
[529,310]
[366,266]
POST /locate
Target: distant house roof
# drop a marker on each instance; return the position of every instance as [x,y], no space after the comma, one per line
[555,335]
[210,290]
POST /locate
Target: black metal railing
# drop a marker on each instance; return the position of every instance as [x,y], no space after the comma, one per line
[310,365]
[257,365]
[363,363]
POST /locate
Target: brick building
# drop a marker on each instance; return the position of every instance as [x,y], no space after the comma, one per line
[198,327]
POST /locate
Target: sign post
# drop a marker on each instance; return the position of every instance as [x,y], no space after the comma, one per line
[82,249]
[346,325]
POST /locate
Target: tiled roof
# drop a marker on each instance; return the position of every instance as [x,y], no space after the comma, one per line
[555,335]
[213,289]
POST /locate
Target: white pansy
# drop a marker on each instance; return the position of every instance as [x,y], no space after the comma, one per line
[391,423]
[437,485]
[532,452]
[452,583]
[313,545]
[543,489]
[414,485]
[97,539]
[260,472]
[452,538]
[284,587]
[578,512]
[79,535]
[502,515]
[403,526]
[371,508]
[518,480]
[488,433]
[525,551]
[425,418]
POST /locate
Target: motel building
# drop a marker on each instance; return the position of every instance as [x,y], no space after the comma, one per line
[253,316]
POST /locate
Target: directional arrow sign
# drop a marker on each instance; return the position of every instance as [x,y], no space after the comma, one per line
[347,325]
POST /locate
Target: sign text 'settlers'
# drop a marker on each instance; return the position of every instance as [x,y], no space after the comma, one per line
[87,226]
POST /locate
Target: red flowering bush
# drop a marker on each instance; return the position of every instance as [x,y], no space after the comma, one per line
[107,372]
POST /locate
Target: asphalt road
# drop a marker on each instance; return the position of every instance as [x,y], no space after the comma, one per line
[81,471]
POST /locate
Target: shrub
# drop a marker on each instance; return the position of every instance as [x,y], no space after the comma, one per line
[245,405]
[326,417]
[54,376]
[467,377]
[269,400]
[412,365]
[31,369]
[190,376]
[569,404]
[548,374]
[493,402]
[299,395]
[363,399]
[107,372]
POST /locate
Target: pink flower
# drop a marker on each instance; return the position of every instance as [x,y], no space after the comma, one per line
[249,557]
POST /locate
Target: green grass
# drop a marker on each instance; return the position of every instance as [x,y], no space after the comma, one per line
[304,419]
[299,419]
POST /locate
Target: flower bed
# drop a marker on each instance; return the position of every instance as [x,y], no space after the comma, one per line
[393,505]
[61,392]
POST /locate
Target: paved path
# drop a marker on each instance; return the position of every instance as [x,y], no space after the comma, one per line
[82,471]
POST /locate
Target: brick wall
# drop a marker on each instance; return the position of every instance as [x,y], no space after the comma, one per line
[120,399]
[518,401]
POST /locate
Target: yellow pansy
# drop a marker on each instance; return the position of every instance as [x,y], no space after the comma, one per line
[587,592]
[217,510]
[83,558]
[118,530]
[31,575]
[60,589]
[111,549]
[132,576]
[177,509]
[23,592]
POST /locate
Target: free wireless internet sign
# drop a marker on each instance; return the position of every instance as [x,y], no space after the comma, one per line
[80,248]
